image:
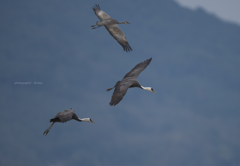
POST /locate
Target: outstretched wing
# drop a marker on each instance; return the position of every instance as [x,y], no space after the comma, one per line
[99,13]
[65,115]
[138,69]
[116,32]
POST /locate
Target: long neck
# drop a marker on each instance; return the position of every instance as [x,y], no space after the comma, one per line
[122,22]
[146,88]
[84,119]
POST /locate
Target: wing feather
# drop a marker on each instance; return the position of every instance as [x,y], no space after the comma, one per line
[138,69]
[65,115]
[117,34]
[99,13]
[119,92]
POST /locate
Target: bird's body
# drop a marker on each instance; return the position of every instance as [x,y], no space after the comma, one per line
[112,27]
[65,116]
[129,81]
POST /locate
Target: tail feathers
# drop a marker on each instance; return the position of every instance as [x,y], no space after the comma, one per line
[56,119]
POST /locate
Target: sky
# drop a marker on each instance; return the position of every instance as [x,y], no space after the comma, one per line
[193,119]
[228,10]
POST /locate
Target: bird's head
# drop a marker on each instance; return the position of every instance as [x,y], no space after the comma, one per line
[87,120]
[90,120]
[152,90]
[148,89]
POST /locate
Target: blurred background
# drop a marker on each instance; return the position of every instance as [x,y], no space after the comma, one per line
[51,60]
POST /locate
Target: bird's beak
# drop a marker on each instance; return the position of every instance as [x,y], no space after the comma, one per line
[92,121]
[154,91]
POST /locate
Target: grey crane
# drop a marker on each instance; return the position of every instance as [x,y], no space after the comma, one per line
[112,27]
[65,116]
[129,81]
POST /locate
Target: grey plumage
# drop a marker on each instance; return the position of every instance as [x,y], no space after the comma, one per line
[65,116]
[129,81]
[112,27]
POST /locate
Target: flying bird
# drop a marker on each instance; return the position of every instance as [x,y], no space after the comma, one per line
[65,116]
[129,81]
[112,27]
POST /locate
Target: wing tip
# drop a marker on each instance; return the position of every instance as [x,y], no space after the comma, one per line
[113,103]
[96,7]
[148,61]
[127,48]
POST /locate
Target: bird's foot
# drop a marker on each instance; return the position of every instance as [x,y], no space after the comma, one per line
[109,89]
[95,26]
[46,132]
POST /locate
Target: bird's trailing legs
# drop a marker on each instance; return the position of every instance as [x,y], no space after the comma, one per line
[95,26]
[113,87]
[48,129]
[110,88]
[98,24]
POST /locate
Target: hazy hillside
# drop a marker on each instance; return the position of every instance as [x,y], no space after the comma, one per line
[193,119]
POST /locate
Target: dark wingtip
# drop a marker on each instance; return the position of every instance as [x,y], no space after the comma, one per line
[148,60]
[113,104]
[127,48]
[96,7]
